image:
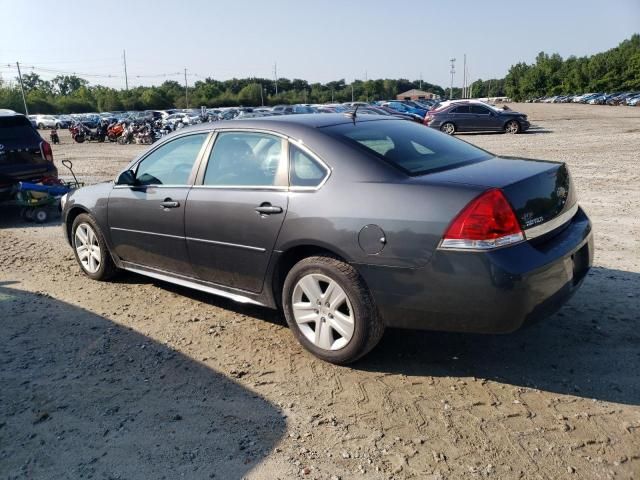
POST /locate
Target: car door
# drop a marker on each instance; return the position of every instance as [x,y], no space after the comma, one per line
[484,119]
[462,118]
[235,210]
[146,220]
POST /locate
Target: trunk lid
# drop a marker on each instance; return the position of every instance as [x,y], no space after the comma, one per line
[538,190]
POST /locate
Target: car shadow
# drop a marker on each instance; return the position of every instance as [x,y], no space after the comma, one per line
[588,349]
[83,396]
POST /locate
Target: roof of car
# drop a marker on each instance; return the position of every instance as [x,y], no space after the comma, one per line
[5,112]
[310,120]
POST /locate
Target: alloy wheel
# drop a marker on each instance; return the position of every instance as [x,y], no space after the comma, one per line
[87,248]
[323,312]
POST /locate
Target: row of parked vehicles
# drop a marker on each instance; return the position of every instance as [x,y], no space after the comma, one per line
[631,99]
[146,127]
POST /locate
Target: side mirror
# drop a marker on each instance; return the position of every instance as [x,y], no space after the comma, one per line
[126,178]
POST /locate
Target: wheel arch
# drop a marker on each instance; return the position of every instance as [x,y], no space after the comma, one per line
[70,217]
[288,258]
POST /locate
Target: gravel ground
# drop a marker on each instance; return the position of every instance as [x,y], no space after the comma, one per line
[138,379]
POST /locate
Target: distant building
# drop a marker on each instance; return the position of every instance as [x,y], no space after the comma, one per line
[415,94]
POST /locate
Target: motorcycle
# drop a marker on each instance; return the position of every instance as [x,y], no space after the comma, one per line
[114,131]
[80,132]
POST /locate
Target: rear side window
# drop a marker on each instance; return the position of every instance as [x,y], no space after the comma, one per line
[17,129]
[461,109]
[304,171]
[241,159]
[408,146]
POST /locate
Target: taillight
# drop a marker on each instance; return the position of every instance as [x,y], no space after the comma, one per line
[486,222]
[46,151]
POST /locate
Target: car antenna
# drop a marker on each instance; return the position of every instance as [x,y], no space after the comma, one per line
[353,114]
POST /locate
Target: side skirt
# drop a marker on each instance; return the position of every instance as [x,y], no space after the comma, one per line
[190,283]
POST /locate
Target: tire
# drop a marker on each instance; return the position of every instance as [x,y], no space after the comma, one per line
[105,269]
[448,128]
[58,126]
[79,138]
[40,126]
[40,215]
[512,126]
[364,327]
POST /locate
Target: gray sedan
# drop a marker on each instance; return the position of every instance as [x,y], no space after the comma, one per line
[348,223]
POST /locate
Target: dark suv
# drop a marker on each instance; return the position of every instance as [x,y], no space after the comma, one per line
[24,155]
[475,117]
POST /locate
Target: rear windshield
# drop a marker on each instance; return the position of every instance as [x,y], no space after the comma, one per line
[17,129]
[412,147]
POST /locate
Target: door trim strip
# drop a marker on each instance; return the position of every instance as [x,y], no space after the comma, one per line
[147,233]
[214,242]
[227,244]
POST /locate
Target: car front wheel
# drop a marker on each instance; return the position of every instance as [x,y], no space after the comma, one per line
[512,126]
[90,248]
[330,311]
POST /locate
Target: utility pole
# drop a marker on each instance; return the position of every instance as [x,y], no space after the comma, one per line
[24,99]
[352,92]
[366,90]
[275,75]
[453,71]
[261,96]
[126,78]
[186,89]
[420,80]
[464,77]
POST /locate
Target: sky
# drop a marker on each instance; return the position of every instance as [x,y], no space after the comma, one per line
[313,40]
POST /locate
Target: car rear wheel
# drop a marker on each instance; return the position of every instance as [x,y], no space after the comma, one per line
[90,248]
[512,126]
[448,128]
[330,311]
[41,126]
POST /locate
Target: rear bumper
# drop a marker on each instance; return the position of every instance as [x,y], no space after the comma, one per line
[492,292]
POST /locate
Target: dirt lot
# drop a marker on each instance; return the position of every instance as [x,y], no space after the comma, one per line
[138,379]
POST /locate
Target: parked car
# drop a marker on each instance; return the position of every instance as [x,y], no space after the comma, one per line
[402,107]
[46,121]
[24,155]
[347,224]
[476,117]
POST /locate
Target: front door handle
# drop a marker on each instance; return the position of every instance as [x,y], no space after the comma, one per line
[168,203]
[268,209]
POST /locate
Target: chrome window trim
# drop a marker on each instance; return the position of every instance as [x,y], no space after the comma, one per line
[328,170]
[275,188]
[159,185]
[550,225]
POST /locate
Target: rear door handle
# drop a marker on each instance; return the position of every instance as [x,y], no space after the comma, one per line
[168,203]
[268,209]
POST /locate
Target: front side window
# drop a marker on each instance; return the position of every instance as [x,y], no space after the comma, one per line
[243,159]
[407,145]
[304,170]
[170,164]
